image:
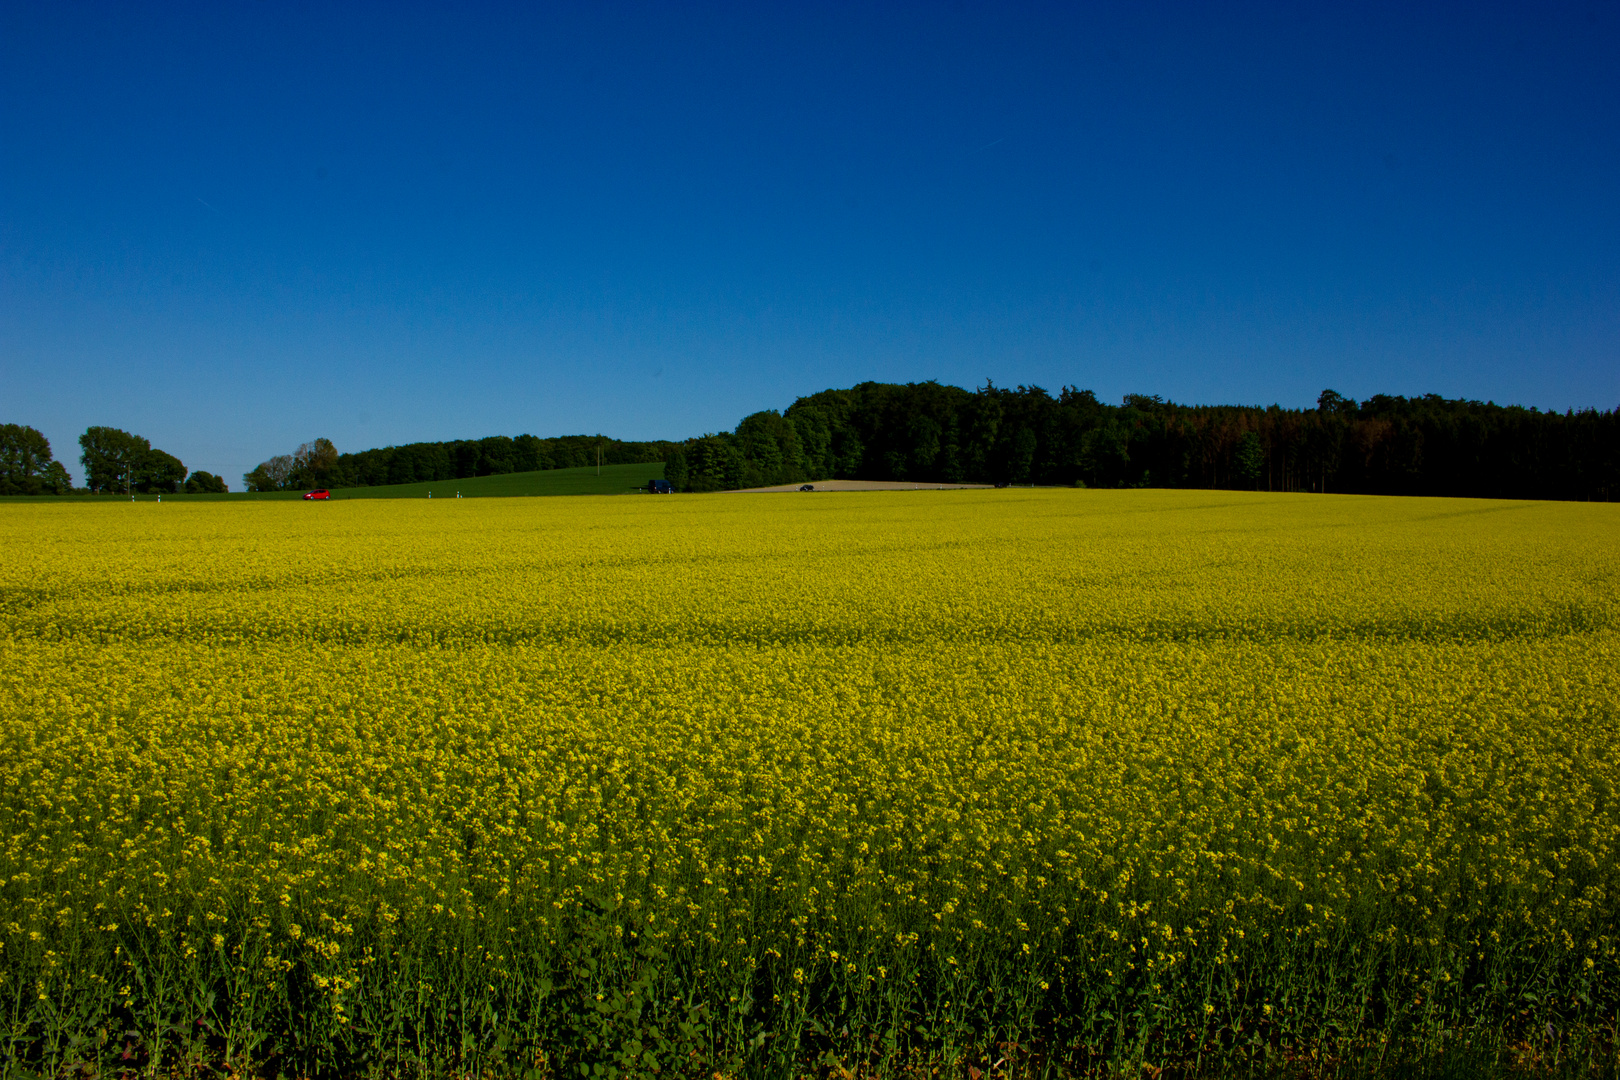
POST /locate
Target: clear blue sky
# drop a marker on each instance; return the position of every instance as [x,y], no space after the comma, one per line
[231,227]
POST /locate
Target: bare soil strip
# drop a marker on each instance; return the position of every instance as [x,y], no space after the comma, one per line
[861,485]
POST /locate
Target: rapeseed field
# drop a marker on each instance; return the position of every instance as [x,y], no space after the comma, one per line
[1007,782]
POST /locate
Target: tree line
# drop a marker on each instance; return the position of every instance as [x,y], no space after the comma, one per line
[318,463]
[929,432]
[1390,445]
[114,461]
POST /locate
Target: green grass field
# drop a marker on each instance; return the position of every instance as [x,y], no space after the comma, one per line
[613,480]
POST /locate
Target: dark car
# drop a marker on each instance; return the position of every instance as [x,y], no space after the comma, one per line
[807,487]
[659,487]
[318,493]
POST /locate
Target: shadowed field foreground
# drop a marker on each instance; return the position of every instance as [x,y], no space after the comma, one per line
[1005,782]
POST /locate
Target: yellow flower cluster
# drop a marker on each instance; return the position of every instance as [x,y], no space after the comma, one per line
[739,779]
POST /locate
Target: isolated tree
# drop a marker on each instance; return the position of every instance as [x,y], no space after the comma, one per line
[205,483]
[160,472]
[110,457]
[25,459]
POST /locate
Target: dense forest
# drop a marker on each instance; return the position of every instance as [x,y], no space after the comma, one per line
[1385,445]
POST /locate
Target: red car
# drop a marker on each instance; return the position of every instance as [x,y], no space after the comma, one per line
[318,493]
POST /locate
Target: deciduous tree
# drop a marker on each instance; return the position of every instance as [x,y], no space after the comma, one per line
[110,457]
[159,472]
[205,483]
[26,466]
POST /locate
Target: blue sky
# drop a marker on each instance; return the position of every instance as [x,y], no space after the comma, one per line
[234,227]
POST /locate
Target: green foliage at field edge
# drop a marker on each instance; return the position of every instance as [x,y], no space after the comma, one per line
[613,480]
